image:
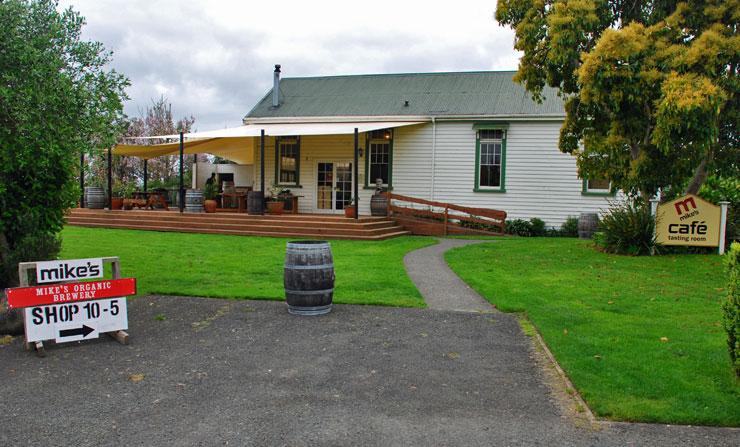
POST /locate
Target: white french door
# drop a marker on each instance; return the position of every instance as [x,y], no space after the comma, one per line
[334,182]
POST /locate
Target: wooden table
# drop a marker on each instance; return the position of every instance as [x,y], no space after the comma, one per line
[146,199]
[240,197]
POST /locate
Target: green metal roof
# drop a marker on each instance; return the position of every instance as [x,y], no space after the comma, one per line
[491,93]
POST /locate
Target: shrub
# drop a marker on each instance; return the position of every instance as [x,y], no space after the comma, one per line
[731,306]
[717,189]
[34,246]
[569,227]
[537,226]
[519,227]
[627,228]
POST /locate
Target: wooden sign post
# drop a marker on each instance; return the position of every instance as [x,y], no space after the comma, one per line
[61,310]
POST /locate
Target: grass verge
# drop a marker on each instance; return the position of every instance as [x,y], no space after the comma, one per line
[640,337]
[368,272]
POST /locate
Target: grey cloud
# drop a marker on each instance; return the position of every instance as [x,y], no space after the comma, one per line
[218,74]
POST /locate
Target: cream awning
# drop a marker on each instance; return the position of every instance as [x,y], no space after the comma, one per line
[237,143]
[238,149]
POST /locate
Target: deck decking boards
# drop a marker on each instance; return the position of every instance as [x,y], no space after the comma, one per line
[286,225]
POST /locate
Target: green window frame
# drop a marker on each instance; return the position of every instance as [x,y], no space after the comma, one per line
[288,161]
[587,190]
[490,156]
[374,139]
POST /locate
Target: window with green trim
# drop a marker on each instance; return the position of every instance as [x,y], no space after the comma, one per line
[490,159]
[288,154]
[379,157]
[597,187]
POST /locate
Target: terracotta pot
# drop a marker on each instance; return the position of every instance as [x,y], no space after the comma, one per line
[275,207]
[210,206]
[116,203]
[350,211]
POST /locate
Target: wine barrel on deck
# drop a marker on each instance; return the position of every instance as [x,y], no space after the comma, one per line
[95,197]
[309,277]
[255,202]
[587,224]
[378,205]
[194,201]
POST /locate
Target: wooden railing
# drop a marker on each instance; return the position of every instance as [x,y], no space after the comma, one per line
[432,218]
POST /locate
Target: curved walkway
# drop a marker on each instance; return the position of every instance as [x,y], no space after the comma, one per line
[440,287]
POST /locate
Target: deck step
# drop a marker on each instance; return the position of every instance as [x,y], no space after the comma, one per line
[313,235]
[288,225]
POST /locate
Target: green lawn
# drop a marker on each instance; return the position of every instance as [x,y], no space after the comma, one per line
[640,337]
[368,272]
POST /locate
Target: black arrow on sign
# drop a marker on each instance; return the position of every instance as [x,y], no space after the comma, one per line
[84,331]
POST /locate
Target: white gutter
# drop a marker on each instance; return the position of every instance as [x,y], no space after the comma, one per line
[434,153]
[397,118]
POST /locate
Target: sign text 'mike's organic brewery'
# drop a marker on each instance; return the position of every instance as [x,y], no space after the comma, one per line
[688,220]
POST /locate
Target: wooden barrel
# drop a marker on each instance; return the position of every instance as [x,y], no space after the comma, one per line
[378,205]
[193,201]
[95,197]
[255,202]
[587,224]
[309,277]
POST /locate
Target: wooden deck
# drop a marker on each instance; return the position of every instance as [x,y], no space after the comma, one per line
[286,225]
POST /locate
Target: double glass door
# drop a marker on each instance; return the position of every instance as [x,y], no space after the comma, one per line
[333,185]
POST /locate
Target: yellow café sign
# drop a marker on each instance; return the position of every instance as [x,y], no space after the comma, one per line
[688,220]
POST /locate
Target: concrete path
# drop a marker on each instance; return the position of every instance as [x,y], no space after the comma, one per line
[441,288]
[209,372]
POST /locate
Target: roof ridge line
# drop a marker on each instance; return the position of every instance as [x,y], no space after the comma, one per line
[433,73]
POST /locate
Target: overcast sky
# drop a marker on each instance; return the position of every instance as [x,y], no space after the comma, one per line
[214,59]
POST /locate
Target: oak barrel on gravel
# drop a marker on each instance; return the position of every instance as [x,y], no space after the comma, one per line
[309,277]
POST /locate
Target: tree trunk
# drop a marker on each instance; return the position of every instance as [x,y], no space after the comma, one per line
[700,176]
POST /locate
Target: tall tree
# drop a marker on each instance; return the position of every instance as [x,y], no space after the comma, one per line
[57,99]
[157,119]
[651,87]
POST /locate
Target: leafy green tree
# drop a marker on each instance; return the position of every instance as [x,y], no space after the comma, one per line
[651,87]
[58,99]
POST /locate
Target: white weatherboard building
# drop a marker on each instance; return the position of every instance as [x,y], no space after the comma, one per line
[474,139]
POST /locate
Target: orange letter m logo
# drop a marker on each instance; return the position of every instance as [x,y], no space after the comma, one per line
[685,204]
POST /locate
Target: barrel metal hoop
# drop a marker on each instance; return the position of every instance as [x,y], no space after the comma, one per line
[309,267]
[313,310]
[310,292]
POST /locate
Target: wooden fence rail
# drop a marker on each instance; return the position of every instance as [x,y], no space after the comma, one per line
[428,217]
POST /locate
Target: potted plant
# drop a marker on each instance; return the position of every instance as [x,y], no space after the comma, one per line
[350,210]
[209,194]
[275,204]
[121,191]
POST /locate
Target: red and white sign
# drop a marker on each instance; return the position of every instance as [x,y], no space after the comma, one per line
[66,293]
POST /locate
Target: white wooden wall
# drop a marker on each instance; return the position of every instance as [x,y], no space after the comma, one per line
[314,148]
[540,181]
[243,174]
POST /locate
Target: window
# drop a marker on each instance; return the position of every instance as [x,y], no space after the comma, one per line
[491,157]
[597,186]
[379,157]
[287,156]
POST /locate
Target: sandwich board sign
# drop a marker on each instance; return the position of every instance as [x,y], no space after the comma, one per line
[72,311]
[689,220]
